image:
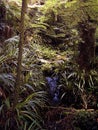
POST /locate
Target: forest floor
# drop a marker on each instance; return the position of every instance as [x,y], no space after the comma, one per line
[61,118]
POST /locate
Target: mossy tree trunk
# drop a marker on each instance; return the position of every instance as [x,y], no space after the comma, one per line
[87,46]
[86,53]
[19,64]
[2,12]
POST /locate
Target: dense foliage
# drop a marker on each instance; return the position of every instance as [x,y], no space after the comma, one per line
[59,69]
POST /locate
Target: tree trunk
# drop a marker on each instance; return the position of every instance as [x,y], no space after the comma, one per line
[19,66]
[84,99]
[2,12]
[87,46]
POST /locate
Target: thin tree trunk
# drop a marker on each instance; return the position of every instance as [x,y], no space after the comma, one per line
[19,65]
